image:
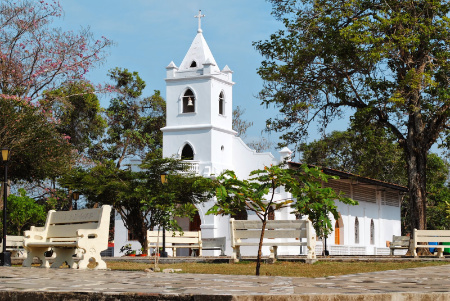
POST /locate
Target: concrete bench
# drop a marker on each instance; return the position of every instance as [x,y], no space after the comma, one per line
[175,240]
[277,233]
[399,242]
[217,243]
[14,244]
[427,236]
[78,234]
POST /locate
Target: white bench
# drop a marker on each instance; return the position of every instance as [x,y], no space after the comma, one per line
[14,244]
[427,236]
[175,240]
[399,242]
[70,234]
[277,233]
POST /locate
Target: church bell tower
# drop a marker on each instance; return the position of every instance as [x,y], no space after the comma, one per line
[199,110]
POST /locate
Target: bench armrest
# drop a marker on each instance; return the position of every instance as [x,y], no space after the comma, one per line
[34,234]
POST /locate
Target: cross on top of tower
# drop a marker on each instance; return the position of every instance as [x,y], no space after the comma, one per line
[199,16]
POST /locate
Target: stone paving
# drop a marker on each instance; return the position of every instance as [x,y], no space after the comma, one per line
[17,283]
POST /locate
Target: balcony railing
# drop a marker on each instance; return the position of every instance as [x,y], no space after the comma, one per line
[190,166]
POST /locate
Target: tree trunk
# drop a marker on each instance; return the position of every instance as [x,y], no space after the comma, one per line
[416,157]
[258,258]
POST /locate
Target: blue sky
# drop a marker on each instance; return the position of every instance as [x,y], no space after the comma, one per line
[149,34]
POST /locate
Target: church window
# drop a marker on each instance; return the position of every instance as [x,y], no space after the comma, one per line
[193,64]
[188,102]
[372,232]
[187,153]
[222,148]
[221,103]
[356,230]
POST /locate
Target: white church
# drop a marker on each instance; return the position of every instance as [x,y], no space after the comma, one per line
[198,130]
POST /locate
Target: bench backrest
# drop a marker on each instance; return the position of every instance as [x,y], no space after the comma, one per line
[186,237]
[400,241]
[244,229]
[64,224]
[431,236]
[14,241]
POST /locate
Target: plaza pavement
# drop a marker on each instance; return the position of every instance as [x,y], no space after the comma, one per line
[17,283]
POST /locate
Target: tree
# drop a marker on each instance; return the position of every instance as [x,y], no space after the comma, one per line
[78,111]
[24,212]
[139,197]
[258,194]
[387,61]
[35,56]
[240,126]
[133,122]
[368,152]
[38,150]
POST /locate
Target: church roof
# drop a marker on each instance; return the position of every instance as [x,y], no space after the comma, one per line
[199,53]
[348,175]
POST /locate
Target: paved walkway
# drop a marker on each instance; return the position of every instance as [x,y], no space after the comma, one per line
[17,283]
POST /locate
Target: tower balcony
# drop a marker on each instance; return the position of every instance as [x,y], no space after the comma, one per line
[190,166]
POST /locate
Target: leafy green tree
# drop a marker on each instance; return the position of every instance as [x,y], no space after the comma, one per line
[133,122]
[23,212]
[77,109]
[139,197]
[38,150]
[385,61]
[368,152]
[257,194]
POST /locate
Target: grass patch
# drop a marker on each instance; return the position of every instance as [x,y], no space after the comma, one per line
[280,268]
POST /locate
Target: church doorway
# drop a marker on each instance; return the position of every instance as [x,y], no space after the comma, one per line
[337,233]
[195,223]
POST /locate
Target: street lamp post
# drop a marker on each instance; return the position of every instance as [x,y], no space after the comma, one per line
[5,258]
[164,181]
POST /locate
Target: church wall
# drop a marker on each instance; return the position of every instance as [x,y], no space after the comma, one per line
[246,160]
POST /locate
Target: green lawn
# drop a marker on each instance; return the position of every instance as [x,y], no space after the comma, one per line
[280,268]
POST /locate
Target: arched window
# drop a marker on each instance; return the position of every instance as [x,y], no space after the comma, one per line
[221,103]
[187,153]
[356,230]
[372,232]
[193,64]
[188,102]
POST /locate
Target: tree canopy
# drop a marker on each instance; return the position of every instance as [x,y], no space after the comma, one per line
[385,61]
[34,56]
[258,194]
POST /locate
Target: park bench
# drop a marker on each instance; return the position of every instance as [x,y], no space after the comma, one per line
[427,236]
[14,244]
[78,234]
[176,240]
[277,233]
[399,242]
